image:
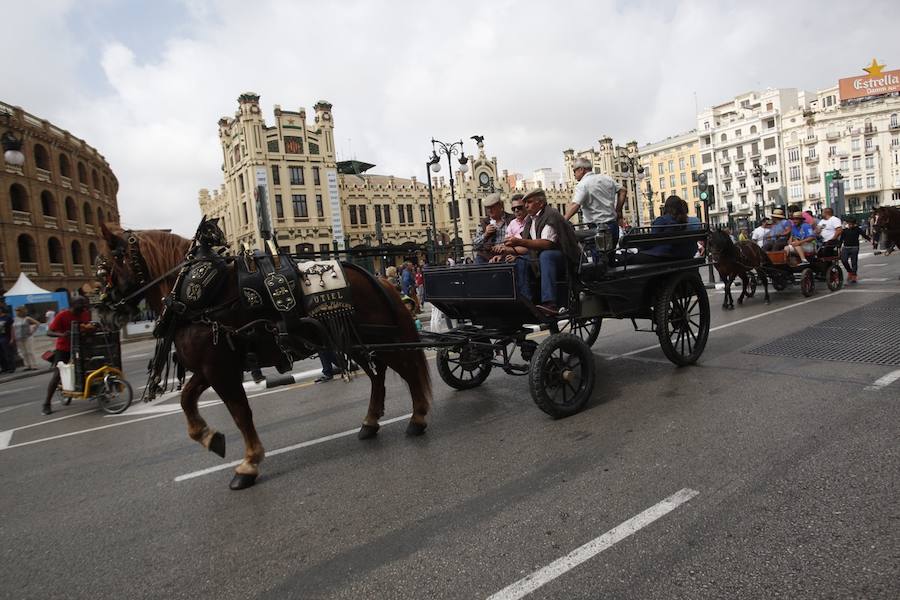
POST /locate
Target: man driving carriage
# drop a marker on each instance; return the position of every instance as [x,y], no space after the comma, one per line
[550,240]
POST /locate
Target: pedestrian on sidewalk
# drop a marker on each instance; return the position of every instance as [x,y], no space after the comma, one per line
[61,328]
[330,366]
[420,286]
[850,251]
[23,328]
[7,339]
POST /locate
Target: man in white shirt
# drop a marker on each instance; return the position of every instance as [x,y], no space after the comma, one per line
[598,196]
[760,233]
[829,227]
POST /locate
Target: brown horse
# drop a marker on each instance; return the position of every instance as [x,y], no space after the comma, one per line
[217,359]
[737,260]
[887,222]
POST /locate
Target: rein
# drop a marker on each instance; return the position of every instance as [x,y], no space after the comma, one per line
[147,286]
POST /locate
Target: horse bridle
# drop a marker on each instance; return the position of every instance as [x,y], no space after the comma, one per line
[137,264]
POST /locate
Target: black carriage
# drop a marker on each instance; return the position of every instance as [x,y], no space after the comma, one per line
[495,320]
[824,265]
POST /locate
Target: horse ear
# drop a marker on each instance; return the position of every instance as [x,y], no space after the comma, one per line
[112,240]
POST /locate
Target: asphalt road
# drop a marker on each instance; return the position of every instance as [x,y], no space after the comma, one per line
[746,476]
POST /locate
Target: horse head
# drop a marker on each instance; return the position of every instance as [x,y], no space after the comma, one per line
[884,220]
[209,233]
[719,244]
[121,273]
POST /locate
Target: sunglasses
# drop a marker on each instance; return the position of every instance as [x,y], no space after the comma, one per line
[518,207]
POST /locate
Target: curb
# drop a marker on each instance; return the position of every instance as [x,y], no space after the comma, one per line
[25,375]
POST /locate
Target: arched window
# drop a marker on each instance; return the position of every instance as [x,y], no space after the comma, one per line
[48,204]
[100,218]
[18,198]
[27,252]
[41,157]
[71,209]
[109,217]
[65,168]
[753,129]
[54,248]
[92,253]
[82,173]
[105,186]
[88,214]
[724,138]
[77,256]
[95,179]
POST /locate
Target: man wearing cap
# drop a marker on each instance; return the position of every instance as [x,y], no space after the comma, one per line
[491,230]
[759,235]
[779,233]
[598,196]
[803,238]
[550,239]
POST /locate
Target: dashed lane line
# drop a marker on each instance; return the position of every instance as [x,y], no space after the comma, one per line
[884,381]
[6,392]
[559,567]
[270,453]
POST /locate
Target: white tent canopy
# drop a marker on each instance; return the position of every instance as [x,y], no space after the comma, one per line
[25,287]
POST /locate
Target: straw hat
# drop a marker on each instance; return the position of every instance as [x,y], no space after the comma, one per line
[777,214]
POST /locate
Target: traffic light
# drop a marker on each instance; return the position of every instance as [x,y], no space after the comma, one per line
[703,186]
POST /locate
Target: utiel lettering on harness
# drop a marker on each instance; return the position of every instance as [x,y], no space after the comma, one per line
[326,298]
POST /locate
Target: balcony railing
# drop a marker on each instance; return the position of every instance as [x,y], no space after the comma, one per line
[813,177]
[21,217]
[57,269]
[51,222]
[814,195]
[65,181]
[870,129]
[728,193]
[811,139]
[42,174]
[29,268]
[832,135]
[78,271]
[71,225]
[813,158]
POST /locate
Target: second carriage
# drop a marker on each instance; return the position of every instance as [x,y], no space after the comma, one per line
[495,323]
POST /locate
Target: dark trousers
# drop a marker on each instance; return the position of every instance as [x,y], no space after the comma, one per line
[329,362]
[850,258]
[7,356]
[551,263]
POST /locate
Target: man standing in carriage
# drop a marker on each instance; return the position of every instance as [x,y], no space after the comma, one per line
[599,197]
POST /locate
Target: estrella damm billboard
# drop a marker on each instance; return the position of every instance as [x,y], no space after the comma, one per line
[875,82]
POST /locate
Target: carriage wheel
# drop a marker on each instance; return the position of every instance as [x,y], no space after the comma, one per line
[561,376]
[682,320]
[587,330]
[115,395]
[807,282]
[463,369]
[779,281]
[834,277]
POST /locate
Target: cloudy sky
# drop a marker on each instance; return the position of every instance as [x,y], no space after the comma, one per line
[146,82]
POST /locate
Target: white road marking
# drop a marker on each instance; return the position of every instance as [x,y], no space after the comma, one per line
[877,265]
[269,453]
[865,279]
[5,392]
[141,355]
[530,583]
[120,423]
[7,435]
[9,408]
[884,381]
[733,323]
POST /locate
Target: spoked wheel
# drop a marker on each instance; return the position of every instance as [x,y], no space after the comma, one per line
[465,368]
[807,282]
[834,277]
[562,375]
[682,320]
[115,395]
[779,281]
[587,330]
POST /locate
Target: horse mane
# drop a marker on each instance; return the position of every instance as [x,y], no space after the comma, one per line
[161,250]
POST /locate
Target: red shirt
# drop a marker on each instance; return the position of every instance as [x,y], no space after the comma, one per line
[62,323]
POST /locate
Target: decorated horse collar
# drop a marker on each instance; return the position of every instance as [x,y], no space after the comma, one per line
[135,259]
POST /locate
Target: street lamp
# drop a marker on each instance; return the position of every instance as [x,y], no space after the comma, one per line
[12,146]
[630,163]
[760,173]
[650,200]
[449,150]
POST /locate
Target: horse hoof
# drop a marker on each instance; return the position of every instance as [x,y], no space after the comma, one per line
[415,428]
[367,432]
[217,444]
[241,481]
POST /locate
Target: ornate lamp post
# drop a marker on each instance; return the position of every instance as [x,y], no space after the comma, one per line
[449,150]
[760,173]
[649,195]
[630,162]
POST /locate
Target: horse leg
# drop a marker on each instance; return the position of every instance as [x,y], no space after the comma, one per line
[226,381]
[729,301]
[765,281]
[370,424]
[198,430]
[415,373]
[744,284]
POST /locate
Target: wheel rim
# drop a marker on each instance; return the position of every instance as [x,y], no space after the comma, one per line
[834,278]
[113,396]
[581,328]
[683,322]
[565,377]
[463,365]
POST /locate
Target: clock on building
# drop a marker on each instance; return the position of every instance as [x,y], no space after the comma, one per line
[484,178]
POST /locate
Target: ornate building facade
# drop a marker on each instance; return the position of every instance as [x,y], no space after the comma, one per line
[670,167]
[52,205]
[619,162]
[316,203]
